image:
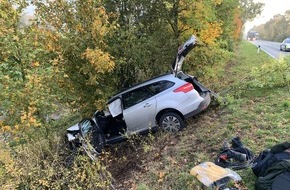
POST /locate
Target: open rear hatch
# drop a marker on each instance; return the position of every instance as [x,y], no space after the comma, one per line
[183,50]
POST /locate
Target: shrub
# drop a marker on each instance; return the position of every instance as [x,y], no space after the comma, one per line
[271,74]
[47,164]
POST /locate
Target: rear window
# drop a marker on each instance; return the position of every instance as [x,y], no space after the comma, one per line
[159,86]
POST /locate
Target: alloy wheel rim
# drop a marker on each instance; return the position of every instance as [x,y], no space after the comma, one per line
[171,124]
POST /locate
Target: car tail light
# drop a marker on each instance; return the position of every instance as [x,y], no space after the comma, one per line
[184,88]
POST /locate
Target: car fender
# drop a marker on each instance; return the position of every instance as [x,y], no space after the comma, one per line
[161,112]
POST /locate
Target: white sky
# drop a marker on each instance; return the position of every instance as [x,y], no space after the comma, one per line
[271,8]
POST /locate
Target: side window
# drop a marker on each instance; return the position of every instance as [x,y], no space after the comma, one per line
[135,96]
[159,86]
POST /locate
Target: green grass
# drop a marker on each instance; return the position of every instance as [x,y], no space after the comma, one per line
[259,115]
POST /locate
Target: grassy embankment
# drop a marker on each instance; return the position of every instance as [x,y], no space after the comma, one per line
[256,108]
[256,90]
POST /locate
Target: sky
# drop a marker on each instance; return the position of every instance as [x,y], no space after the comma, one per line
[271,8]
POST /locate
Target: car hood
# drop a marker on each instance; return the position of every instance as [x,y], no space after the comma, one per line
[183,50]
[75,127]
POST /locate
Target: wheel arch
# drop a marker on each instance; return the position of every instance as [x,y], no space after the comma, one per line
[160,113]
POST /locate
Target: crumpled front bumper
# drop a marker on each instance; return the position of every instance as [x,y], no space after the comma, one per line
[70,137]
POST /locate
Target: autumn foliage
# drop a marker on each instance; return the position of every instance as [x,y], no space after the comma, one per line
[65,60]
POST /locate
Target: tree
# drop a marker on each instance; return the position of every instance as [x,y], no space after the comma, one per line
[33,83]
[229,13]
[276,29]
[187,17]
[25,73]
[77,34]
[145,31]
[249,10]
[142,43]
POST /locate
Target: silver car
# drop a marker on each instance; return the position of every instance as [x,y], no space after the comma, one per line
[285,45]
[162,102]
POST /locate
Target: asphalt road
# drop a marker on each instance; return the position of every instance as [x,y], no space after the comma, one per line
[271,48]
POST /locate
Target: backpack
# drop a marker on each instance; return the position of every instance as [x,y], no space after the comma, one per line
[273,168]
[268,157]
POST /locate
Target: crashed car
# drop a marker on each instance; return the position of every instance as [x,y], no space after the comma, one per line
[163,102]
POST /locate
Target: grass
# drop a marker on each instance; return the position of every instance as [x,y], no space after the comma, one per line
[259,115]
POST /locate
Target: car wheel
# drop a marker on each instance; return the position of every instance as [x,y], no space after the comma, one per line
[171,122]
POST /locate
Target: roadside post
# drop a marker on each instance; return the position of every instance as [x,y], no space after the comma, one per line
[259,47]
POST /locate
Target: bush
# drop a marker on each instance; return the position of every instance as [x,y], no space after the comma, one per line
[47,164]
[271,74]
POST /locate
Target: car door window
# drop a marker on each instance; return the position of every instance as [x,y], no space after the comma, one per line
[135,96]
[159,86]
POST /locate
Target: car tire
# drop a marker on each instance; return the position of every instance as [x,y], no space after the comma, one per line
[171,122]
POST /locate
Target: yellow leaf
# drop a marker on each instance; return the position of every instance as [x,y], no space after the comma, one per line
[35,64]
[16,127]
[161,174]
[55,62]
[16,38]
[6,128]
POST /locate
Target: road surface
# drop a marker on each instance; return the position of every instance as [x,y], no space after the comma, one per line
[271,48]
